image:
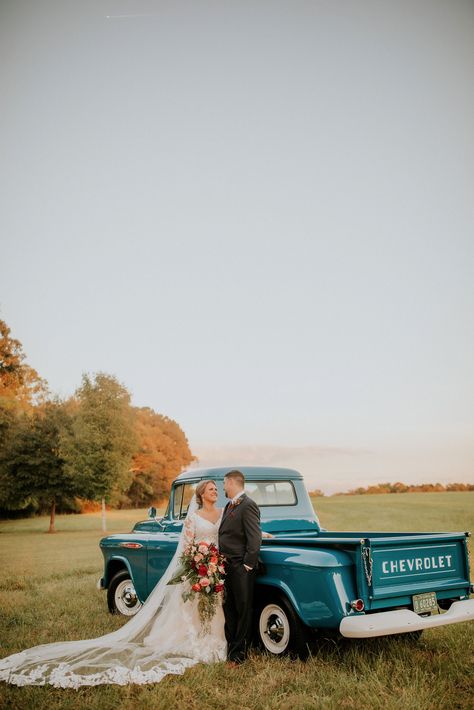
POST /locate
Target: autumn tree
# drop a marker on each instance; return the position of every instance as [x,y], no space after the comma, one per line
[163,452]
[99,447]
[94,446]
[21,388]
[20,384]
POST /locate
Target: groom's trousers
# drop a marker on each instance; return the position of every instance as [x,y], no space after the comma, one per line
[238,600]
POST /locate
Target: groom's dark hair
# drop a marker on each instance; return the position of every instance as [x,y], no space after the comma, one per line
[237,476]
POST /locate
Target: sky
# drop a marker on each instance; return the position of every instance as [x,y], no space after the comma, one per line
[257,215]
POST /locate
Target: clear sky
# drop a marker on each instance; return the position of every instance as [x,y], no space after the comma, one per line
[257,215]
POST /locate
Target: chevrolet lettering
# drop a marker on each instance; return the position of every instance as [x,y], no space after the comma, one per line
[417,564]
[309,580]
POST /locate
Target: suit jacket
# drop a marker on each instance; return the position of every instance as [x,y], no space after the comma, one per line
[240,535]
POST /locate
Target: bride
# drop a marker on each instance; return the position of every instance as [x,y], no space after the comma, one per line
[165,637]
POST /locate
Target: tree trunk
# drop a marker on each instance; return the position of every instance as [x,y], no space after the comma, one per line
[104,525]
[52,516]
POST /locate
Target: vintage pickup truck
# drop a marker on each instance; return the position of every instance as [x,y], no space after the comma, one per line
[360,584]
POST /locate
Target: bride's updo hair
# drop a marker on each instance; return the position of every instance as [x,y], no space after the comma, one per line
[200,488]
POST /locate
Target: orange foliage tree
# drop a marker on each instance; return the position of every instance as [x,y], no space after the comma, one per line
[20,385]
[163,452]
[161,447]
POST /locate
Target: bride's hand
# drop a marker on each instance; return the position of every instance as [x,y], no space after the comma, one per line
[265,534]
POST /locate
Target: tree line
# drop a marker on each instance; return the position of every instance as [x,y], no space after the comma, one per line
[408,488]
[55,454]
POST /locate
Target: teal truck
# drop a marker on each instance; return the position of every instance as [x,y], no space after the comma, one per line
[310,580]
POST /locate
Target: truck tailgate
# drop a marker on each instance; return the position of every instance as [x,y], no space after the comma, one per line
[391,570]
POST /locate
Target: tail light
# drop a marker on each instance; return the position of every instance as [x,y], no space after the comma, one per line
[358,605]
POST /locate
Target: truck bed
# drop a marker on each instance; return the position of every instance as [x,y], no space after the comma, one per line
[392,567]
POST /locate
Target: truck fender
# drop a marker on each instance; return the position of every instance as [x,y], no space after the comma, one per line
[266,585]
[331,573]
[114,564]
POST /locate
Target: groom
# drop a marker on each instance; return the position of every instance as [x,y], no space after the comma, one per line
[239,540]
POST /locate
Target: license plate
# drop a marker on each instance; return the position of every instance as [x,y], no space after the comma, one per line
[423,603]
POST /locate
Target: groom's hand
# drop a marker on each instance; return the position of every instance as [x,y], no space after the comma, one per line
[253,534]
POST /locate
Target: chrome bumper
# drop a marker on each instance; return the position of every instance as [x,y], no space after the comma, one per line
[403,621]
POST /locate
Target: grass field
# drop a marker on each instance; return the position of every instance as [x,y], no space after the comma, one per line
[48,593]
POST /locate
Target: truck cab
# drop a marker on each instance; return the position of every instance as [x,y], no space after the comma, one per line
[134,566]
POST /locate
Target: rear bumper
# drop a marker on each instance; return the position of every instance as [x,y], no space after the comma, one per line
[403,621]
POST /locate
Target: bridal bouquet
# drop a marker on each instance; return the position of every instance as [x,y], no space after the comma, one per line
[203,567]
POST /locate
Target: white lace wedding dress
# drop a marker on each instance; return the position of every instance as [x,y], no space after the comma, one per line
[165,637]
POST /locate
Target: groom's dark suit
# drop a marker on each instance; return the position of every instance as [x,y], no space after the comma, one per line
[239,540]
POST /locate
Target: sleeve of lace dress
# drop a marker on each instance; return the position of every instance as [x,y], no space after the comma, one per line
[189,529]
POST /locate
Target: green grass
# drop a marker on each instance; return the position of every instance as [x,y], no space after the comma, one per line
[398,511]
[48,593]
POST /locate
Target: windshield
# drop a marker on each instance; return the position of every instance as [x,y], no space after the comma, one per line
[264,493]
[183,492]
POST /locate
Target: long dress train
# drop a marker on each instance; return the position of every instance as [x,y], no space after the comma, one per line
[165,637]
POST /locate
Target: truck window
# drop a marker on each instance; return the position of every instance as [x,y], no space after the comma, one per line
[271,492]
[183,492]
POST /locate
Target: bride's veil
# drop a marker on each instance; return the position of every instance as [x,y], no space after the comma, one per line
[157,595]
[122,656]
[192,507]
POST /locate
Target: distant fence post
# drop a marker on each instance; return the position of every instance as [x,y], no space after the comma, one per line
[104,524]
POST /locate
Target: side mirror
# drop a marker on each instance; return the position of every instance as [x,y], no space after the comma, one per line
[152,512]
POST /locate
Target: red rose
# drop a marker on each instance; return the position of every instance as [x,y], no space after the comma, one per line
[202,570]
[196,587]
[218,587]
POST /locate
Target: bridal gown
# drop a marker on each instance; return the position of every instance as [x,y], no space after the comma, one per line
[164,637]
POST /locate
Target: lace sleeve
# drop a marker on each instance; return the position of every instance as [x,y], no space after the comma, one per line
[189,530]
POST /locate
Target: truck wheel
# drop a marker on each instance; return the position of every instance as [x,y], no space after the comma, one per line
[280,631]
[121,595]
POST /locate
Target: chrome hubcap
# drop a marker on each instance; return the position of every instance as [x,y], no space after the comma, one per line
[126,599]
[129,596]
[274,629]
